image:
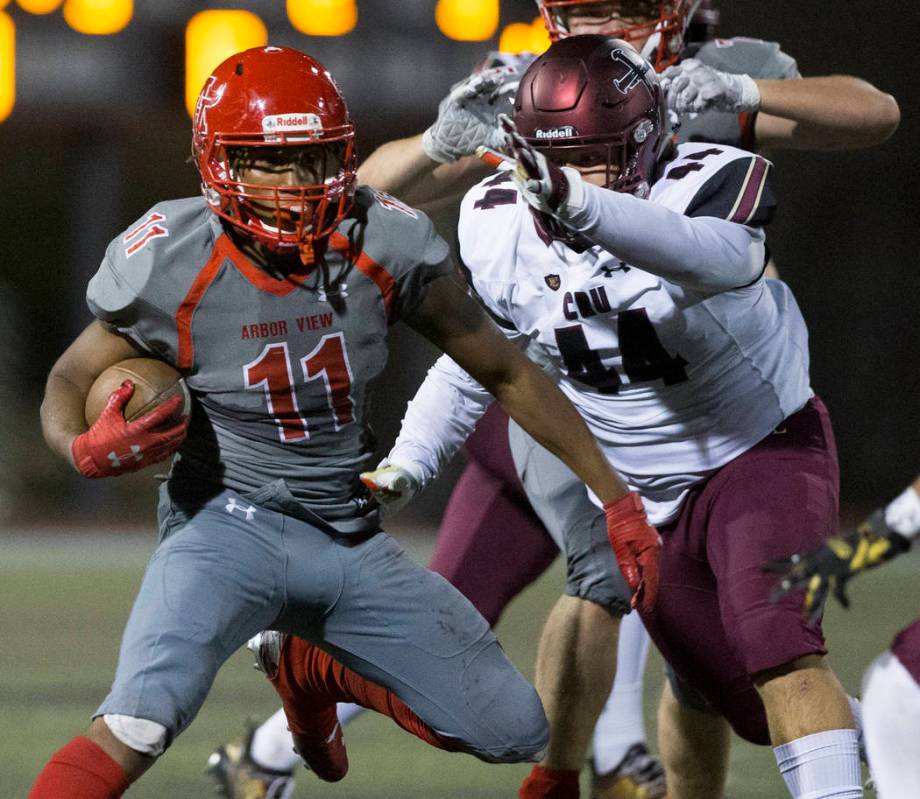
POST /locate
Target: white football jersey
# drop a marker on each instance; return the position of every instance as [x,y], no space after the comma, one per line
[672,382]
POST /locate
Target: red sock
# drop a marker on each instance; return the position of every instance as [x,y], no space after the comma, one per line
[311,681]
[548,783]
[80,770]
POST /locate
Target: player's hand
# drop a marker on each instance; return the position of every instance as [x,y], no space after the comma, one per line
[392,485]
[637,547]
[543,184]
[468,116]
[829,567]
[114,446]
[693,88]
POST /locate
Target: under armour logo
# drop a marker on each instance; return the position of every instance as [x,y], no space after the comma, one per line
[232,506]
[636,71]
[339,291]
[134,455]
[609,270]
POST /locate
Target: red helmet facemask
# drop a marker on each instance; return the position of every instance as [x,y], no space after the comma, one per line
[276,107]
[659,35]
[590,101]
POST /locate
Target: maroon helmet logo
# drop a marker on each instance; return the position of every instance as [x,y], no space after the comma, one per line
[553,281]
[634,76]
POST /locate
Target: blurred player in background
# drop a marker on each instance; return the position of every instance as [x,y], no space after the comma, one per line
[891,686]
[637,272]
[491,544]
[272,294]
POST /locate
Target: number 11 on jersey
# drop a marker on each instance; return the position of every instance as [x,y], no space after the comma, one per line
[272,373]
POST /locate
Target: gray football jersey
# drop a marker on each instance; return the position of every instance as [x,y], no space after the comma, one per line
[280,365]
[740,55]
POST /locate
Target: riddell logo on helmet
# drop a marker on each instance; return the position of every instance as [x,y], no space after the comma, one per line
[566,131]
[292,123]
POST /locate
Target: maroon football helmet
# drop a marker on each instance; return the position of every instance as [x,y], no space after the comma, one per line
[589,100]
[265,102]
[656,28]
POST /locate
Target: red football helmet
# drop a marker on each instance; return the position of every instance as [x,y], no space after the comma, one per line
[590,100]
[278,104]
[659,36]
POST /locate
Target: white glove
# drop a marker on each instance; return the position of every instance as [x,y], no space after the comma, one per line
[692,88]
[552,190]
[468,116]
[392,485]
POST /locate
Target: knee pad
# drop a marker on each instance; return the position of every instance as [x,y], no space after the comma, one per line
[592,571]
[141,735]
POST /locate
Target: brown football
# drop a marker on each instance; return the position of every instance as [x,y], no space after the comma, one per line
[154,382]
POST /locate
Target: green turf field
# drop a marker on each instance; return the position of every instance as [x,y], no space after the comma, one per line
[63,602]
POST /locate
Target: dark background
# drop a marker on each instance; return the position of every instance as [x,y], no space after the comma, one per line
[99,134]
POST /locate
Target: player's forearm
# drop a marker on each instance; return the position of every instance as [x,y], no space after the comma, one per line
[62,416]
[402,168]
[439,419]
[824,113]
[537,404]
[705,254]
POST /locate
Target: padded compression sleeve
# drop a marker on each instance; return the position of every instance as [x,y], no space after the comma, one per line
[438,420]
[701,253]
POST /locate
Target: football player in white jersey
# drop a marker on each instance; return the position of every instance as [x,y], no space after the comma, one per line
[649,305]
[758,109]
[891,685]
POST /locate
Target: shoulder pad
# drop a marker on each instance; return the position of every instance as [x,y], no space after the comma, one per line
[171,235]
[719,181]
[754,57]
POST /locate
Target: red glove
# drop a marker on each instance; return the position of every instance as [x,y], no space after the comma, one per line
[637,546]
[114,446]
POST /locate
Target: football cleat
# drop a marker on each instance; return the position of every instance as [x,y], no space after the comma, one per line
[238,776]
[637,776]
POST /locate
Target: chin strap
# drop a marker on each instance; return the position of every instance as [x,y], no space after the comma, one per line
[307,253]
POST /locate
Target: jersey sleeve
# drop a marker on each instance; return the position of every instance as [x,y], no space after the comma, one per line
[409,248]
[124,295]
[740,191]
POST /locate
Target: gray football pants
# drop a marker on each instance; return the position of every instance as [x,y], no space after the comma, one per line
[575,523]
[240,565]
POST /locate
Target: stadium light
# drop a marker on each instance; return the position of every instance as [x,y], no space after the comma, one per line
[524,37]
[212,36]
[467,20]
[7,65]
[98,17]
[539,36]
[515,38]
[323,17]
[39,6]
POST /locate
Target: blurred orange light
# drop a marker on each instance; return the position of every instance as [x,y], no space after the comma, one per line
[467,20]
[539,36]
[515,38]
[323,17]
[98,17]
[212,36]
[39,6]
[4,3]
[7,65]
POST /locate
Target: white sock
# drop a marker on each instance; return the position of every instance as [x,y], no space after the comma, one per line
[824,765]
[891,710]
[856,710]
[621,723]
[273,747]
[348,712]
